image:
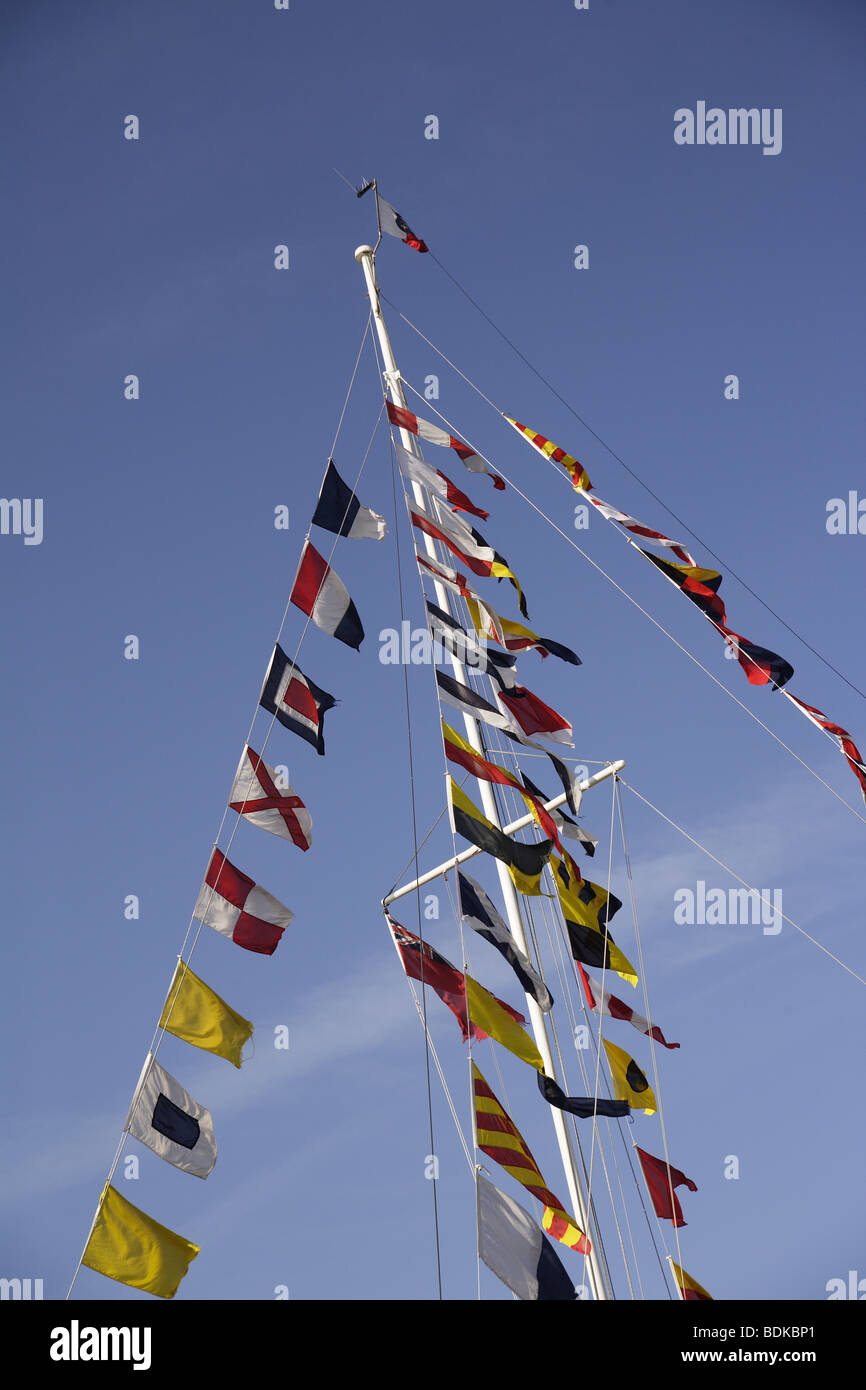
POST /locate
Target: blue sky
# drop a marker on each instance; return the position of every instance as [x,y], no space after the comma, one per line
[155,257]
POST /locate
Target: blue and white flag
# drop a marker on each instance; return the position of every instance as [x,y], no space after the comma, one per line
[166,1118]
[479,913]
[516,1249]
[338,510]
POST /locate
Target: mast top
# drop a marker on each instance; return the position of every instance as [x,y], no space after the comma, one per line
[362,251]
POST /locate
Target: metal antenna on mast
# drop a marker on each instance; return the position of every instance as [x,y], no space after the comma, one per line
[365,256]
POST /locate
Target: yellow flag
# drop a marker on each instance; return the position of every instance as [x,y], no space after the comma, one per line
[488,1013]
[128,1245]
[629,1081]
[585,907]
[689,1288]
[195,1013]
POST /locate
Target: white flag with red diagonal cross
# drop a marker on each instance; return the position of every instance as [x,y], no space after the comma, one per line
[257,796]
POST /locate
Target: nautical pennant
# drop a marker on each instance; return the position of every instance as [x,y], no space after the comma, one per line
[479,913]
[339,511]
[405,420]
[516,1249]
[468,650]
[584,1107]
[690,1289]
[587,902]
[196,1014]
[485,621]
[392,223]
[610,1007]
[534,716]
[570,785]
[629,1081]
[517,638]
[469,546]
[567,826]
[479,1013]
[320,593]
[501,1140]
[128,1245]
[762,667]
[525,862]
[166,1118]
[585,920]
[699,585]
[579,475]
[661,1179]
[846,744]
[417,471]
[467,701]
[632,524]
[298,703]
[457,750]
[236,907]
[257,796]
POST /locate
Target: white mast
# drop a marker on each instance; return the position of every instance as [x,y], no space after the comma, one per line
[365,256]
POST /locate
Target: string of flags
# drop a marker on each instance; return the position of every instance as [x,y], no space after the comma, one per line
[125,1243]
[760,665]
[510,1242]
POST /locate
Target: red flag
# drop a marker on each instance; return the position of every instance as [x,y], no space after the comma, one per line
[664,1199]
[441,975]
[534,716]
[405,420]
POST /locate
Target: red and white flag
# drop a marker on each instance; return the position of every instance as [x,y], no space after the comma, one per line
[610,1007]
[257,796]
[489,620]
[238,908]
[841,736]
[393,224]
[534,716]
[419,471]
[632,524]
[405,420]
[320,593]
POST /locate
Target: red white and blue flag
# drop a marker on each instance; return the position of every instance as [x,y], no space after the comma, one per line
[392,223]
[296,701]
[320,593]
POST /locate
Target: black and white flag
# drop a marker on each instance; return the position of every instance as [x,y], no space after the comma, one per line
[167,1119]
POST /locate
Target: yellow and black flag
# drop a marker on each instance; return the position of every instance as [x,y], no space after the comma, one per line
[587,908]
[629,1081]
[525,862]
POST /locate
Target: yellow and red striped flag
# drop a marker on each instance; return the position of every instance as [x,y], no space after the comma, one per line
[579,475]
[502,1141]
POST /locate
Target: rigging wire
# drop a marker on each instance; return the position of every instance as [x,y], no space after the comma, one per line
[411,767]
[735,875]
[610,450]
[652,1041]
